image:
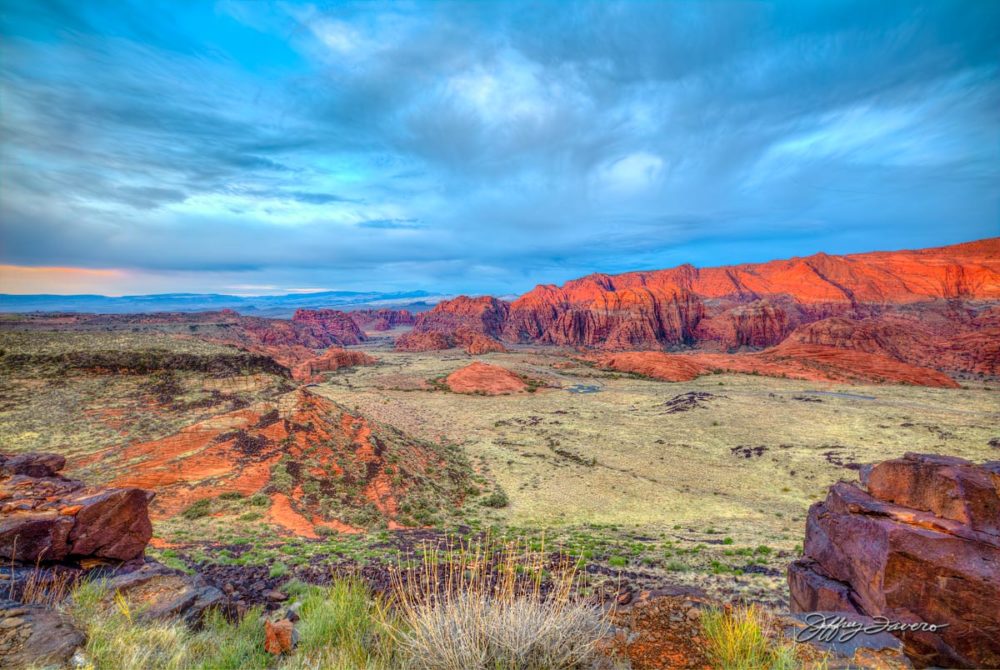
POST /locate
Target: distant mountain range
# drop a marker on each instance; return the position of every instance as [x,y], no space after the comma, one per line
[264,305]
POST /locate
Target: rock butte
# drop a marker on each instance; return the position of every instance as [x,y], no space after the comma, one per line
[876,317]
[483,378]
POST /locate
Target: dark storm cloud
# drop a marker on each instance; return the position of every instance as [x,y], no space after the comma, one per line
[541,140]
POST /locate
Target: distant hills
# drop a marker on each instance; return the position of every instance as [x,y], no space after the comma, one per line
[265,305]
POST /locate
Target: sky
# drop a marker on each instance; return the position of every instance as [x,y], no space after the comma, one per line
[257,147]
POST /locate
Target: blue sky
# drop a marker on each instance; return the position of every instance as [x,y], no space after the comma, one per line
[254,147]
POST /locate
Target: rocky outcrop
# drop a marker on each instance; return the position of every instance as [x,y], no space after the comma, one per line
[382,319]
[480,344]
[484,379]
[46,516]
[365,473]
[461,322]
[416,341]
[331,360]
[921,544]
[337,327]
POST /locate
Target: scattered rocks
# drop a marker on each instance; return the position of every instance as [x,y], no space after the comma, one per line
[922,544]
[747,451]
[686,402]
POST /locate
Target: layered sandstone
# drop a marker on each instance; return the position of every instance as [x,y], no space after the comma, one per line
[299,443]
[921,544]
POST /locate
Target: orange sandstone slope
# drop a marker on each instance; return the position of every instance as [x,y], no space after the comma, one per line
[320,465]
[791,360]
[484,379]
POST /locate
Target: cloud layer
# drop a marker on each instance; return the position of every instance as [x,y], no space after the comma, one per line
[487,147]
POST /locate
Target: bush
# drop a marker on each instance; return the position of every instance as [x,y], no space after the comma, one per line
[497,500]
[483,606]
[198,510]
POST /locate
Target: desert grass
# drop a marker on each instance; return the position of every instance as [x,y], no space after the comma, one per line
[742,638]
[342,627]
[492,606]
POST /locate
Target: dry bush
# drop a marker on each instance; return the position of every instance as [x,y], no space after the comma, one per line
[494,607]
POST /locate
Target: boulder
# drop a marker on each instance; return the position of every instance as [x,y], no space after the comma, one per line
[47,517]
[34,636]
[159,592]
[918,547]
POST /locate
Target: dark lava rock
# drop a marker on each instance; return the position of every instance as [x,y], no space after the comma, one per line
[33,636]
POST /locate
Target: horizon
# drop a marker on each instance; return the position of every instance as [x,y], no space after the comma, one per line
[418,293]
[248,149]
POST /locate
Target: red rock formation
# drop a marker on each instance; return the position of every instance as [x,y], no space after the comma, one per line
[430,341]
[480,344]
[748,305]
[459,322]
[331,323]
[484,379]
[921,545]
[330,360]
[44,516]
[655,364]
[382,319]
[266,446]
[789,359]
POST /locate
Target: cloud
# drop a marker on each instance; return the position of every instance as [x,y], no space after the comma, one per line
[314,144]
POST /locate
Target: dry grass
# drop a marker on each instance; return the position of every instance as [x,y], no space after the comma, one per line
[494,607]
[742,638]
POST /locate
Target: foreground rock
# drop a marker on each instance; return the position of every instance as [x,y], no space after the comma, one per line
[48,517]
[34,636]
[922,544]
[159,592]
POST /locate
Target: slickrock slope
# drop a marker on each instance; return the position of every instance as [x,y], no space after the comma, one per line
[484,379]
[320,464]
[789,359]
[922,544]
[45,516]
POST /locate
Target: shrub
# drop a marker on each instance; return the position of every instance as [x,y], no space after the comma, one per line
[198,510]
[483,606]
[497,500]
